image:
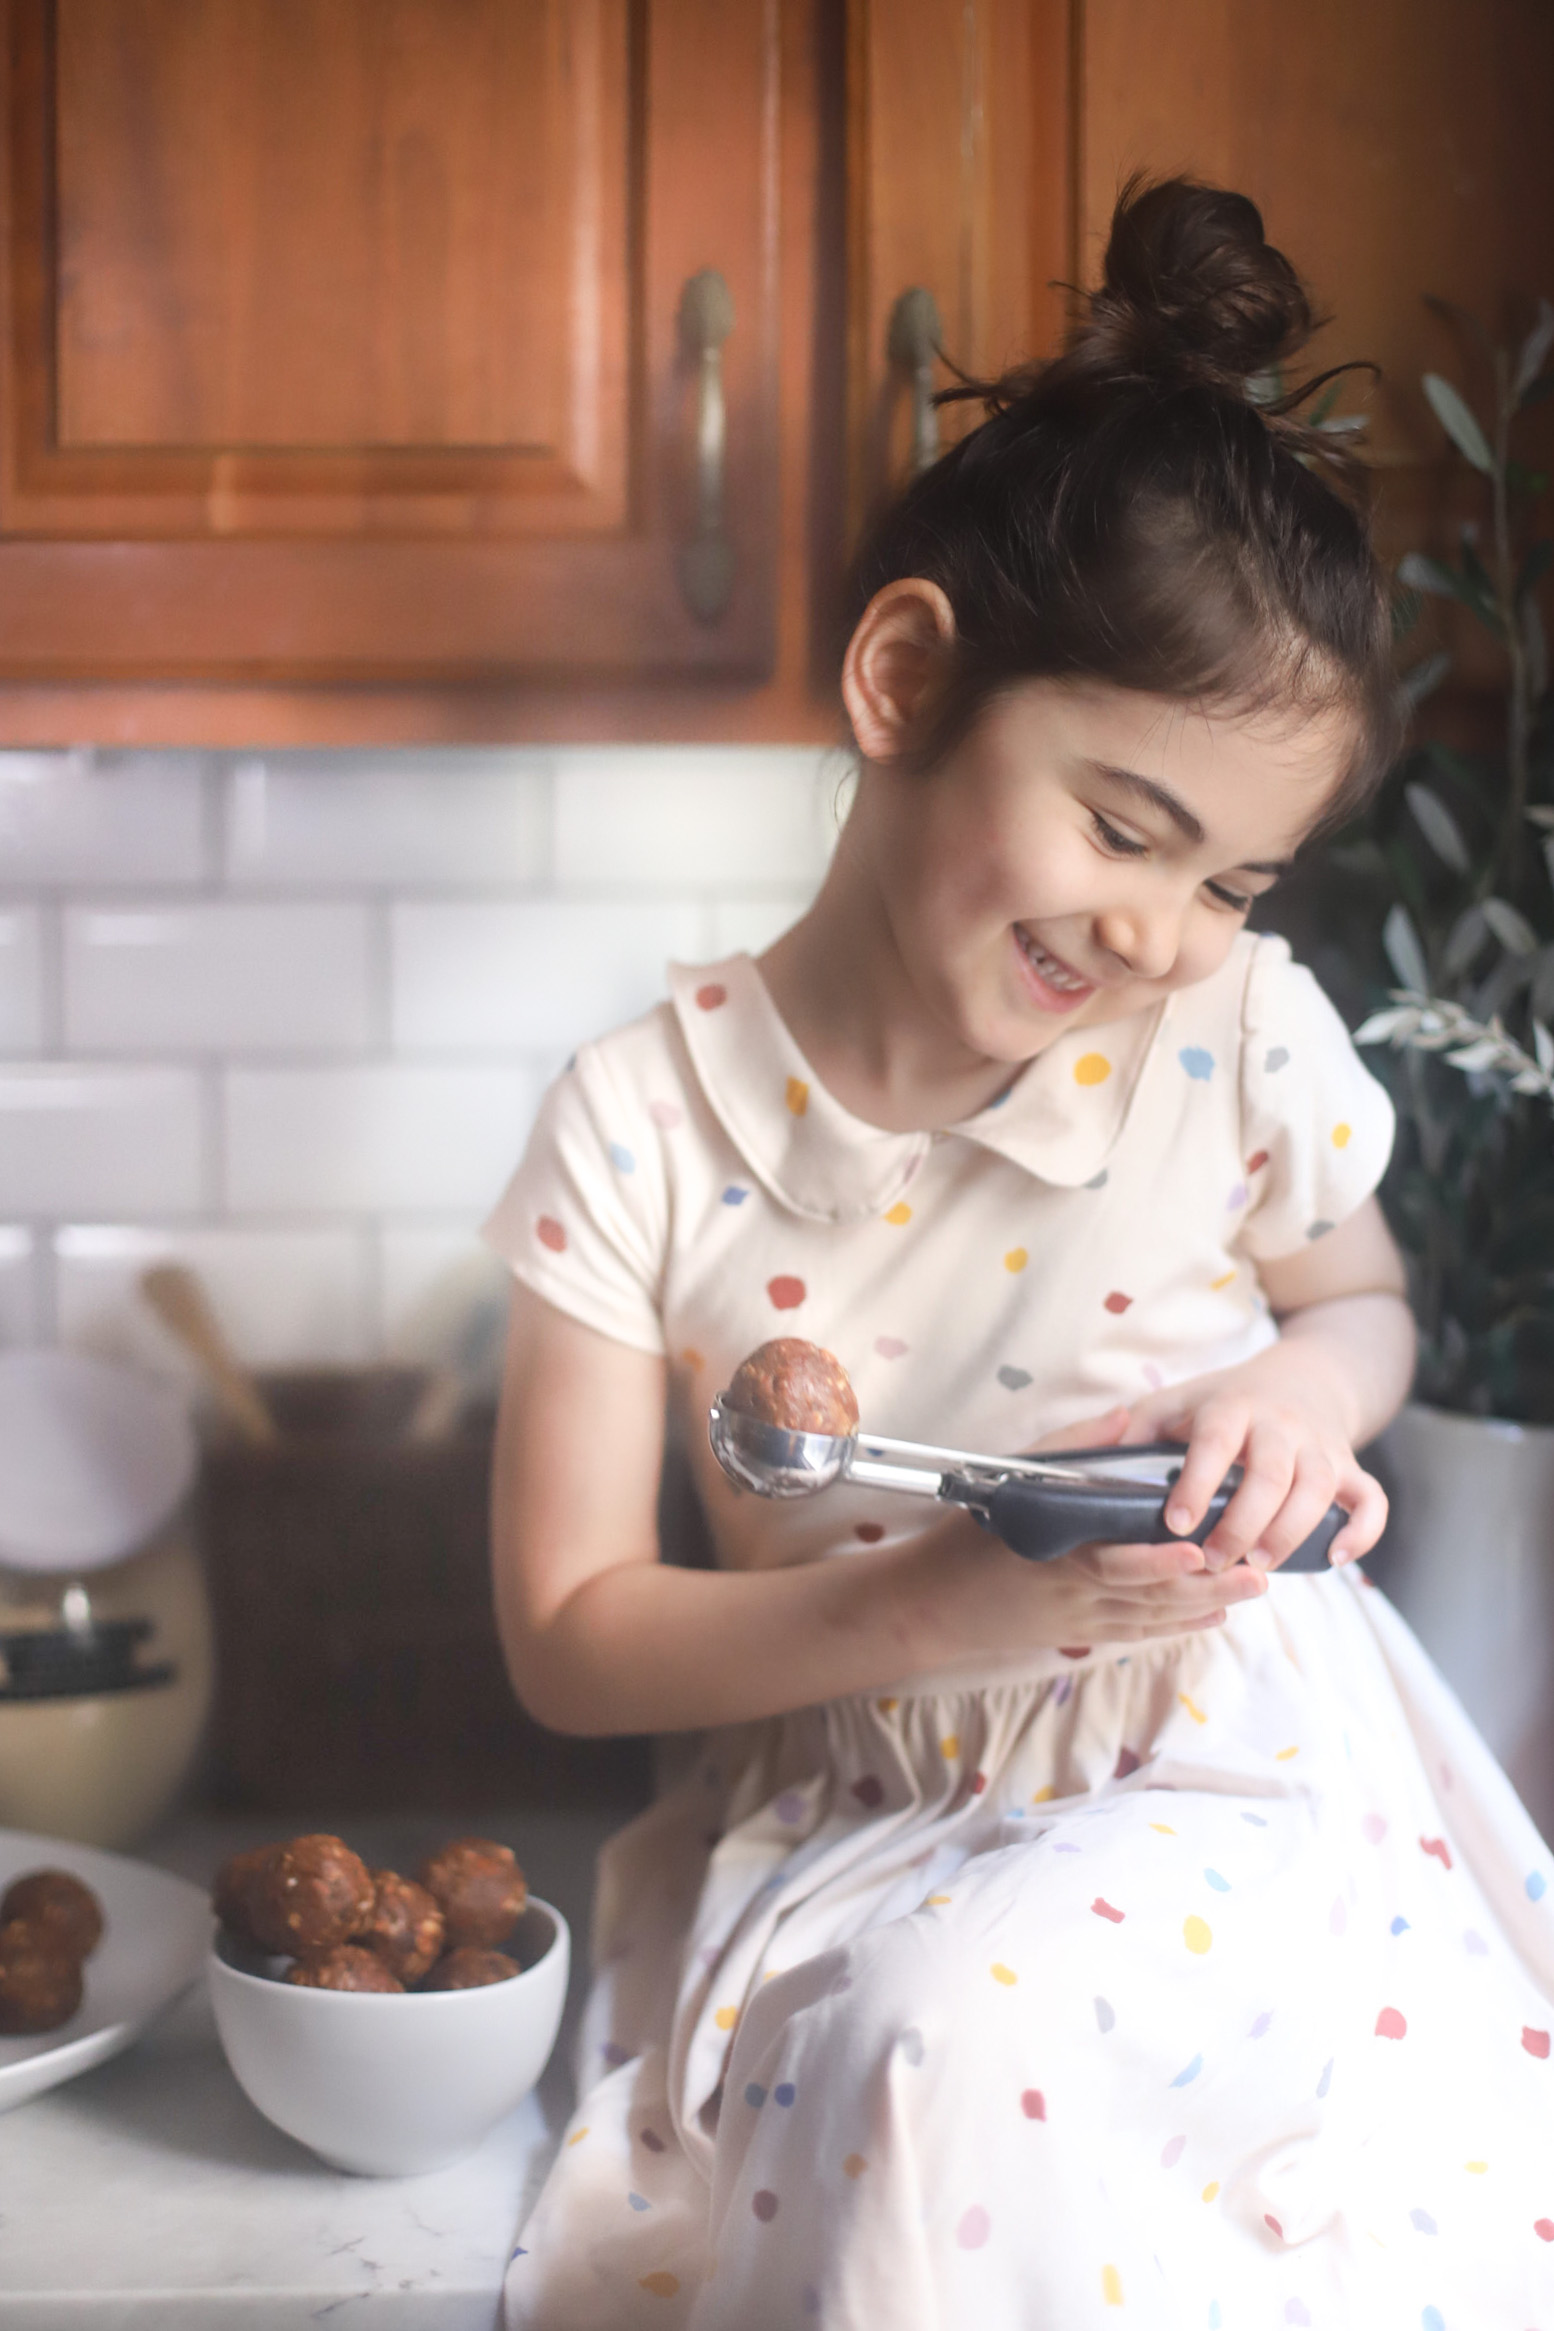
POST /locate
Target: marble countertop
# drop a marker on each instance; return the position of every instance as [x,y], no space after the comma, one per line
[149,2192]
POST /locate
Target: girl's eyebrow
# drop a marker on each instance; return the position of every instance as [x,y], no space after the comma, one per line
[1158,796]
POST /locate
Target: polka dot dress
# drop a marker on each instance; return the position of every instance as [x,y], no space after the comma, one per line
[1200,1984]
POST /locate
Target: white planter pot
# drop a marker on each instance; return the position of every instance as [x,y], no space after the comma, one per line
[1469,1561]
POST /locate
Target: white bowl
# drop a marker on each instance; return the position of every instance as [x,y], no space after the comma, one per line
[388,2084]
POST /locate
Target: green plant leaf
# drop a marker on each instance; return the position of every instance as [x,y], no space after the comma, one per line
[1420,573]
[1534,351]
[1510,926]
[1460,422]
[1535,566]
[1405,611]
[1463,942]
[1404,952]
[1439,827]
[1422,679]
[1541,388]
[1469,585]
[1463,319]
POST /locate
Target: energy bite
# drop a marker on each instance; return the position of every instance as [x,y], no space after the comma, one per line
[479,1888]
[796,1386]
[348,1967]
[237,1881]
[40,1983]
[311,1894]
[58,1904]
[468,1969]
[406,1930]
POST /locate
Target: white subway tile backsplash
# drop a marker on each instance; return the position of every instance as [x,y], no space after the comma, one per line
[286,1017]
[219,977]
[540,972]
[695,816]
[749,925]
[21,979]
[86,1140]
[400,1139]
[101,818]
[282,1297]
[418,819]
[19,1308]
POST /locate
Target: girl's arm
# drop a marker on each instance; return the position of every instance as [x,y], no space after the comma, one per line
[1294,1415]
[601,1636]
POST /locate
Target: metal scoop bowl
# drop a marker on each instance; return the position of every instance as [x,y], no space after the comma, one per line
[1041,1507]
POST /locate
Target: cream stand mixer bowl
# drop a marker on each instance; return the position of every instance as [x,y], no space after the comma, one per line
[105,1634]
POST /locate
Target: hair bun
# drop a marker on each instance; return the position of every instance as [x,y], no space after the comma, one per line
[1192,288]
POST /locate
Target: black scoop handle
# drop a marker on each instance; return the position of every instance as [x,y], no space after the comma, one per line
[1046,1519]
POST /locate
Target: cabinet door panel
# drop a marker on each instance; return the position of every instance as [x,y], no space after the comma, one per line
[312,284]
[959,169]
[468,156]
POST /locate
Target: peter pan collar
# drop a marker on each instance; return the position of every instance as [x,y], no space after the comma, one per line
[1059,1120]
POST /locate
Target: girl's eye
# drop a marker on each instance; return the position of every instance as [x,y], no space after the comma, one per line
[1237,900]
[1123,843]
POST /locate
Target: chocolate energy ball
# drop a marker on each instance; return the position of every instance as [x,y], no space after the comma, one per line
[313,1893]
[406,1928]
[468,1969]
[54,1900]
[40,1984]
[237,1882]
[345,1968]
[796,1386]
[479,1888]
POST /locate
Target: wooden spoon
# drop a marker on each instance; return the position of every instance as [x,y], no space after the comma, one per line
[182,1305]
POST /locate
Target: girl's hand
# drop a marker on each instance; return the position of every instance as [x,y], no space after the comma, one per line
[989,1597]
[1280,1417]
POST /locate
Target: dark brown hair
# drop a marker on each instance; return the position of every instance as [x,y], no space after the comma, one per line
[1149,509]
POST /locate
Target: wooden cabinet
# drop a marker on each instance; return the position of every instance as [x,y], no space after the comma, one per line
[345,390]
[343,337]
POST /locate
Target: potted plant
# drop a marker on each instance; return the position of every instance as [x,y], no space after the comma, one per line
[1449,882]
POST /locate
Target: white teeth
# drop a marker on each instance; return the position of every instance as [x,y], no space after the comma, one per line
[1053,972]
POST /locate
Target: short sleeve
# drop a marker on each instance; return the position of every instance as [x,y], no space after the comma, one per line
[1316,1126]
[584,1219]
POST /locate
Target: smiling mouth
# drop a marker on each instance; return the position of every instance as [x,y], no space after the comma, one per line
[1051,970]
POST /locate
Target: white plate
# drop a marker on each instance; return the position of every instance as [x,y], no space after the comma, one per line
[156,1936]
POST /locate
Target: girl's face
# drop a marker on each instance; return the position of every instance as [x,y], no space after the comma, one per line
[1083,851]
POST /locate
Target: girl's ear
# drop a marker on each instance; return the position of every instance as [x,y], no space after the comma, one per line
[902,635]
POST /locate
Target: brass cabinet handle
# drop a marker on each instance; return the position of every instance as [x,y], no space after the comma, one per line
[912,341]
[706,563]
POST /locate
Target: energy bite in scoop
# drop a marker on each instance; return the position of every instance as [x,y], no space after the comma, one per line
[60,1905]
[468,1969]
[797,1386]
[40,1984]
[348,1967]
[406,1928]
[479,1888]
[313,1893]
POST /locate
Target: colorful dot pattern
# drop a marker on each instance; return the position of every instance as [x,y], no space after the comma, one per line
[1169,1919]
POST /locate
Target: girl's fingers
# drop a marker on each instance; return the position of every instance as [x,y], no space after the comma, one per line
[1091,1432]
[1268,1470]
[1366,1501]
[1311,1493]
[1217,1436]
[1127,1568]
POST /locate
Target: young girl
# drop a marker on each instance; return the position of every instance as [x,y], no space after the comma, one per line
[1142,1931]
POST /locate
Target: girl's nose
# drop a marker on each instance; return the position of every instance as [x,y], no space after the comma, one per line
[1146,936]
